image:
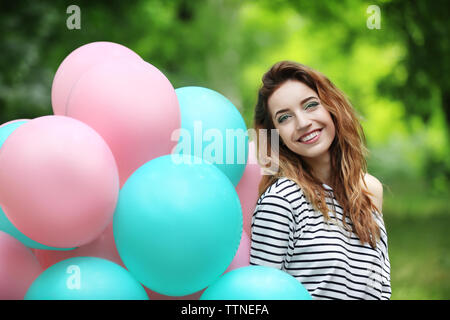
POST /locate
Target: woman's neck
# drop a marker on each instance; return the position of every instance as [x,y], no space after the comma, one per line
[321,167]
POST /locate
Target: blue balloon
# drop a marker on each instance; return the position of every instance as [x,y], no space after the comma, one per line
[177,224]
[7,129]
[86,278]
[256,283]
[213,129]
[5,224]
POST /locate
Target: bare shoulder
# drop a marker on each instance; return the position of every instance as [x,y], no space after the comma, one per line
[375,187]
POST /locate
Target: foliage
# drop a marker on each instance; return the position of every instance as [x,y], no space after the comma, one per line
[396,77]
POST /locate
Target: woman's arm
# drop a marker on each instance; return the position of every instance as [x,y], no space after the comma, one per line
[272,231]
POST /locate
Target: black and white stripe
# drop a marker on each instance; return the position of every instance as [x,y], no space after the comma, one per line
[331,262]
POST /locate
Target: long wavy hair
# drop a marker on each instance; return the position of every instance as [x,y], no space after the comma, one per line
[347,151]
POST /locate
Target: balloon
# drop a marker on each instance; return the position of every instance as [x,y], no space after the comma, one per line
[18,268]
[103,247]
[177,224]
[78,62]
[14,121]
[206,115]
[58,181]
[133,106]
[241,259]
[256,283]
[247,188]
[86,278]
[5,225]
[7,128]
[157,296]
[8,227]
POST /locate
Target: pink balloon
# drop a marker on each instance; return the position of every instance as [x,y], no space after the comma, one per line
[241,259]
[247,188]
[102,247]
[78,62]
[18,268]
[133,106]
[58,181]
[157,296]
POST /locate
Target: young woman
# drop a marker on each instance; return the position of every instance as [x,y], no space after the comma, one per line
[318,216]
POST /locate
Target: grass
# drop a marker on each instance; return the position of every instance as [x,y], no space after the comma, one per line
[418,224]
[419,256]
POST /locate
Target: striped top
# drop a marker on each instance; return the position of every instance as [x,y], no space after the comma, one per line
[330,262]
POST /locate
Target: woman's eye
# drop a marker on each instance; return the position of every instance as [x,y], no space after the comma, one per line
[311,105]
[282,118]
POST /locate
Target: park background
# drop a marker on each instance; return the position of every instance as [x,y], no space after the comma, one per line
[396,76]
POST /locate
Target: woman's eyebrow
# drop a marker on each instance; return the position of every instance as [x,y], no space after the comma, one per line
[303,101]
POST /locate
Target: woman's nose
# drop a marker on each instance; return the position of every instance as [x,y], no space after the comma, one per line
[302,122]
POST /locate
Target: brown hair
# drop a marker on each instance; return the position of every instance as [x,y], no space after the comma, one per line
[348,164]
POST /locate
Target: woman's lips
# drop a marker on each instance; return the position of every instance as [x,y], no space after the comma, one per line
[318,131]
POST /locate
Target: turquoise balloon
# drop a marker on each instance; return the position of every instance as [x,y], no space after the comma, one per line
[86,278]
[5,224]
[177,224]
[256,283]
[207,117]
[8,128]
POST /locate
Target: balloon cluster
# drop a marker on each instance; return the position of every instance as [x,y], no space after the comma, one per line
[110,198]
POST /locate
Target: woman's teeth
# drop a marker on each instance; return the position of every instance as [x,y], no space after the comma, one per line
[310,136]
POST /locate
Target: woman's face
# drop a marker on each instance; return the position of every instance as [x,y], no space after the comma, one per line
[304,125]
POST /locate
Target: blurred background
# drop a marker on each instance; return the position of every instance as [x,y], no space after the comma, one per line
[391,60]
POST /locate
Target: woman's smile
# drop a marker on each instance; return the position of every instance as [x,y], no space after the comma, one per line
[310,137]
